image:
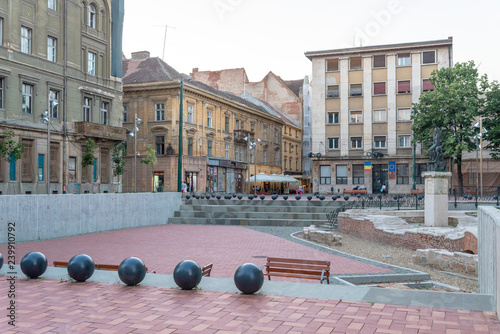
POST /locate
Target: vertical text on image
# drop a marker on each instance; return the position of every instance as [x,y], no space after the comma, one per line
[11,262]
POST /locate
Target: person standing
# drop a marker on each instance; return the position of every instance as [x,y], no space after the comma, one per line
[383,189]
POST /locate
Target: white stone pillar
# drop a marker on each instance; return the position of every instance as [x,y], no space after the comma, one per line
[436,198]
[367,103]
[391,105]
[318,106]
[416,86]
[344,106]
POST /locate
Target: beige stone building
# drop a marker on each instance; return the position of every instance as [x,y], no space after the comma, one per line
[361,114]
[62,57]
[215,154]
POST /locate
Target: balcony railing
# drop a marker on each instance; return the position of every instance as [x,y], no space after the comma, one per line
[100,131]
[239,135]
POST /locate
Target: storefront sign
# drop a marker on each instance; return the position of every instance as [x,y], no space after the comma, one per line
[368,166]
[213,162]
[225,163]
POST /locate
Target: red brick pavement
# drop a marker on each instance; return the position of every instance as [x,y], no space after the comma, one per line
[49,306]
[163,247]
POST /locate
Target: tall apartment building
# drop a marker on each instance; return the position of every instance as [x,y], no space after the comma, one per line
[361,114]
[62,57]
[217,128]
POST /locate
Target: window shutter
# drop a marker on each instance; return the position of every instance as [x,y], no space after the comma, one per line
[27,162]
[404,86]
[104,165]
[379,61]
[429,57]
[427,85]
[379,88]
[54,158]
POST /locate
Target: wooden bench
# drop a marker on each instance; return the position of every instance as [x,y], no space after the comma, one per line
[296,268]
[206,270]
[355,192]
[112,267]
[417,191]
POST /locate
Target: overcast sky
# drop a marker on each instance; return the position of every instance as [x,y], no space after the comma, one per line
[272,35]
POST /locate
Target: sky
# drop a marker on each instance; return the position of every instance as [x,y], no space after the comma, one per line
[272,35]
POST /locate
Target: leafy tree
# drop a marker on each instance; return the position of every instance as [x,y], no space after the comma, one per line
[11,150]
[491,120]
[150,158]
[88,153]
[117,153]
[452,106]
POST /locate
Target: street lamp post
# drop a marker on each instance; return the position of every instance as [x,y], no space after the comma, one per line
[137,121]
[46,119]
[253,147]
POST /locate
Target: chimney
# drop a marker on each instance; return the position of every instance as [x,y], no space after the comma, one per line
[140,55]
[195,70]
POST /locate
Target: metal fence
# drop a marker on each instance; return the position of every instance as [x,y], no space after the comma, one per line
[473,194]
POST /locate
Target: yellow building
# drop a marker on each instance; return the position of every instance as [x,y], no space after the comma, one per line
[216,131]
[361,114]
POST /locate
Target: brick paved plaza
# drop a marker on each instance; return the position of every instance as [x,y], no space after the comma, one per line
[54,306]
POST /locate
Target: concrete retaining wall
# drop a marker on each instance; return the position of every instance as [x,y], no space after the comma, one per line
[43,217]
[489,252]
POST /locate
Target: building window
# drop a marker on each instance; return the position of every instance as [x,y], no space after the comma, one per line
[356,142]
[190,147]
[404,141]
[209,119]
[264,157]
[332,65]
[358,174]
[12,170]
[54,103]
[209,148]
[27,102]
[427,85]
[242,153]
[356,90]
[355,63]
[402,173]
[404,114]
[420,168]
[27,161]
[226,124]
[54,162]
[265,132]
[1,31]
[276,136]
[190,113]
[72,169]
[160,145]
[252,127]
[276,159]
[226,151]
[404,87]
[2,80]
[26,40]
[325,176]
[124,114]
[237,125]
[92,16]
[51,49]
[41,167]
[379,141]
[87,109]
[379,115]
[333,117]
[341,174]
[379,88]
[333,143]
[252,157]
[332,92]
[91,63]
[159,112]
[242,125]
[104,113]
[379,61]
[404,59]
[51,4]
[429,57]
[356,116]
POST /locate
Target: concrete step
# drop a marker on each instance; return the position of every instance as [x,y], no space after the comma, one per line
[249,208]
[252,215]
[244,222]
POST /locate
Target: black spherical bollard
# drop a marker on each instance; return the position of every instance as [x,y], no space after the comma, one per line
[132,271]
[358,196]
[370,197]
[218,196]
[321,197]
[334,197]
[248,278]
[250,197]
[187,274]
[297,197]
[285,197]
[34,264]
[213,195]
[395,197]
[188,196]
[81,267]
[234,195]
[240,197]
[197,196]
[1,260]
[309,197]
[346,197]
[379,196]
[275,197]
[262,197]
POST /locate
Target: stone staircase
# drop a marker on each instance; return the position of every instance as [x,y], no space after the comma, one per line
[253,212]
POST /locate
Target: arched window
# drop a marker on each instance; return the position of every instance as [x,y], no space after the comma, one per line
[92,16]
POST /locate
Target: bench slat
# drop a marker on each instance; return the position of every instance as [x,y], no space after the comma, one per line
[299,266]
[206,270]
[294,276]
[295,271]
[284,260]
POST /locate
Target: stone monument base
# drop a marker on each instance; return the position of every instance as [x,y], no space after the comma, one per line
[436,198]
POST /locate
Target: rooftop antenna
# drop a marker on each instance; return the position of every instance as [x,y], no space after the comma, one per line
[164,38]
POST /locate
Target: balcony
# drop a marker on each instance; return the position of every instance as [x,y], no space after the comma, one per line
[239,135]
[100,131]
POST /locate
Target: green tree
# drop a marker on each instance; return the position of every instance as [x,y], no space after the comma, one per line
[150,158]
[117,153]
[88,153]
[491,120]
[11,150]
[452,106]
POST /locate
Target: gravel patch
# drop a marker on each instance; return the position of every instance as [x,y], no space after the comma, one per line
[383,253]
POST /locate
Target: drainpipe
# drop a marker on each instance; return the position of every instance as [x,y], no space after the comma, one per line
[65,94]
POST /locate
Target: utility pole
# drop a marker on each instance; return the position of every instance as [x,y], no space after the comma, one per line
[164,38]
